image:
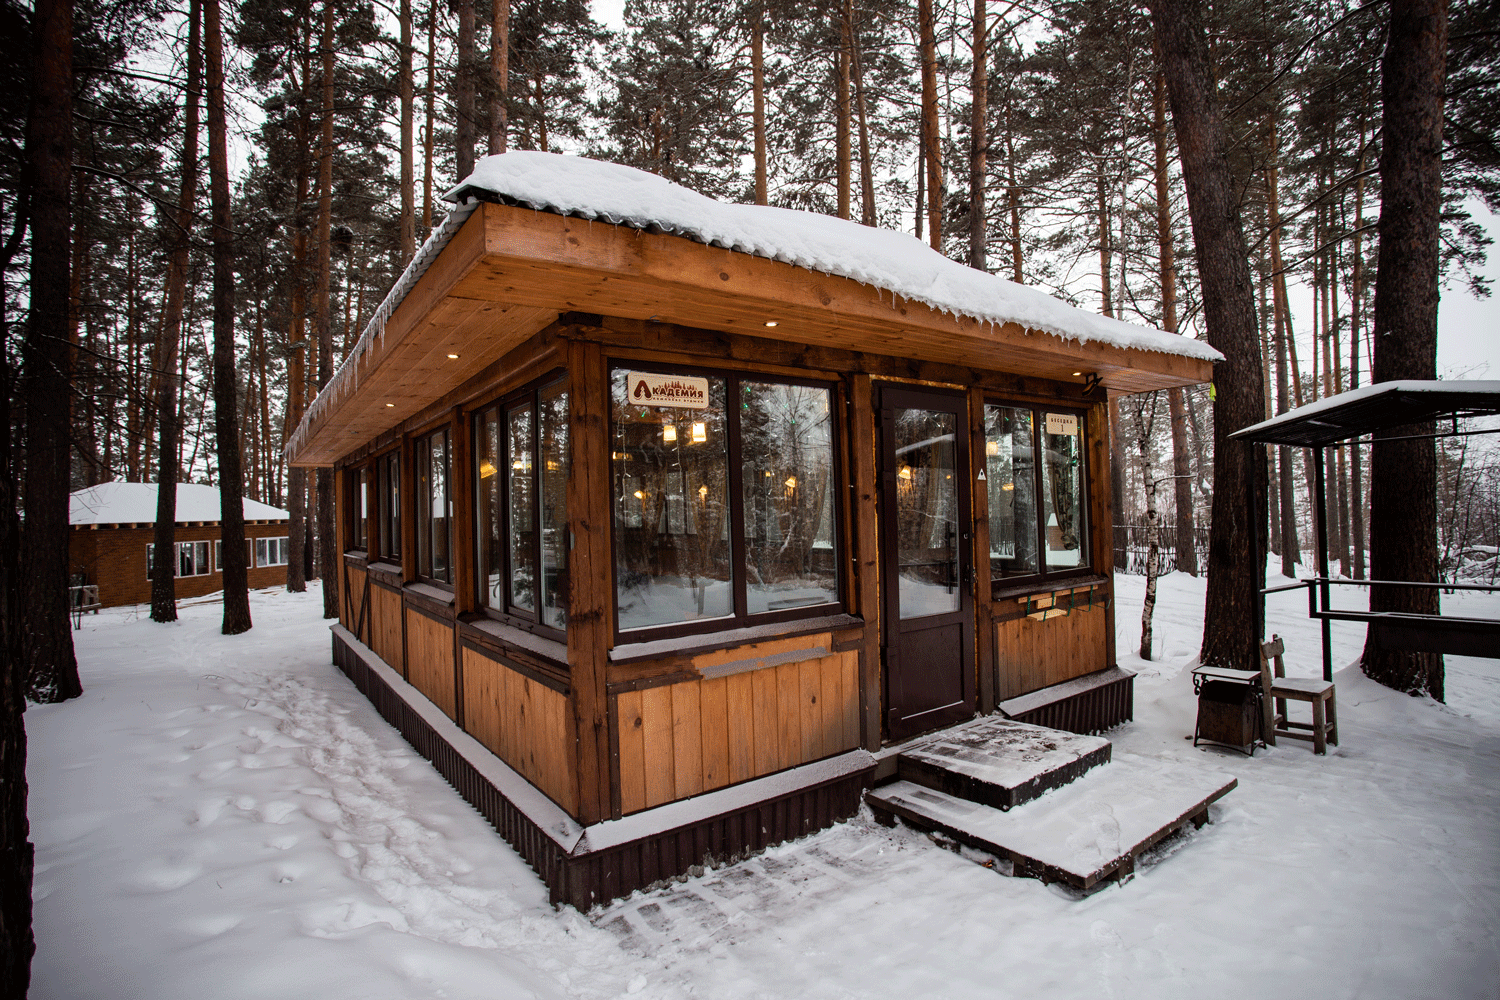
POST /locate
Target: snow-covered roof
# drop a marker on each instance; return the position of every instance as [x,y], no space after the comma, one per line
[135,503]
[1375,407]
[894,262]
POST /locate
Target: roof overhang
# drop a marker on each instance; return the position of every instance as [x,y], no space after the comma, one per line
[508,272]
[1378,407]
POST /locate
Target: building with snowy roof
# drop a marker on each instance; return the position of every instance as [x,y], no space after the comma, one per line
[663,516]
[111,544]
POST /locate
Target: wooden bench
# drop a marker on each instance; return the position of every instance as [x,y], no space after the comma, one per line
[1279,689]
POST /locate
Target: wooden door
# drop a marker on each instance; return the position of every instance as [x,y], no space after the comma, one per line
[927,525]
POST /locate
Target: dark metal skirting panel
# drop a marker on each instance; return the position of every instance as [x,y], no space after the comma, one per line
[539,850]
[597,877]
[1091,711]
[589,878]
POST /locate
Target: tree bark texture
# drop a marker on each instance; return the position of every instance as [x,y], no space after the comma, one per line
[843,156]
[1403,474]
[758,84]
[408,230]
[164,569]
[1229,626]
[226,410]
[931,138]
[327,548]
[979,137]
[463,92]
[47,363]
[500,71]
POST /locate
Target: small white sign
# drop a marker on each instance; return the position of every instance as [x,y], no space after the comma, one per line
[685,392]
[1062,423]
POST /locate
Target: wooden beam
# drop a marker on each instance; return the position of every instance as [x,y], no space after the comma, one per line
[984,627]
[1102,513]
[865,586]
[591,597]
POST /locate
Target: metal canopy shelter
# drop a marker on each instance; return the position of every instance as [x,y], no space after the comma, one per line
[1347,416]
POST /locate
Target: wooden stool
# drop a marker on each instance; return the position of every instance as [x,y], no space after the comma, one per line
[1280,689]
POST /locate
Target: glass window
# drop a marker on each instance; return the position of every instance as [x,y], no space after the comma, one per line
[434,508]
[724,512]
[521,515]
[1037,511]
[786,451]
[270,552]
[388,505]
[360,502]
[192,558]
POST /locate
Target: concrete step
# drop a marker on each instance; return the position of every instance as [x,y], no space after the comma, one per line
[1081,834]
[999,762]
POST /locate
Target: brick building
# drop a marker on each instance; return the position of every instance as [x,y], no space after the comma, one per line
[112,533]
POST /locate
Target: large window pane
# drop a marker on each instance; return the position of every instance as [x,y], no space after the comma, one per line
[671,498]
[1062,491]
[433,508]
[786,442]
[388,505]
[1010,473]
[489,502]
[521,472]
[553,438]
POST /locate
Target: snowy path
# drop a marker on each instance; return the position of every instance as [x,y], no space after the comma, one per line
[228,817]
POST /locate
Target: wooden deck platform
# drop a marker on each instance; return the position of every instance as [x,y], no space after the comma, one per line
[1086,832]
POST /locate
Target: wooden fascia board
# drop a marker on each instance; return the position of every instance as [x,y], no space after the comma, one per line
[578,264]
[407,366]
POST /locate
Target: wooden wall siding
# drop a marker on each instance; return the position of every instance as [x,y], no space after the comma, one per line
[523,722]
[429,660]
[385,627]
[1030,654]
[678,740]
[352,610]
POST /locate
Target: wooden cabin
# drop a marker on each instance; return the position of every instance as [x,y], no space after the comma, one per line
[112,541]
[662,516]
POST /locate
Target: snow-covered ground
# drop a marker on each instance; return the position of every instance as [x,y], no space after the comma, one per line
[228,817]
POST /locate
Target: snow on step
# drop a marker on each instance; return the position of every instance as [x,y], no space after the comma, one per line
[1081,834]
[1001,763]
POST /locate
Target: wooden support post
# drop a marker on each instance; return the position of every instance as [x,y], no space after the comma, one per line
[1102,514]
[984,623]
[591,601]
[863,489]
[461,554]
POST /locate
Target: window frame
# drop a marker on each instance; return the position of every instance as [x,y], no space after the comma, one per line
[502,405]
[282,547]
[740,617]
[361,475]
[206,568]
[387,478]
[422,453]
[1044,577]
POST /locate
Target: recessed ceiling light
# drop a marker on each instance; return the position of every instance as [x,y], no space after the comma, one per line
[455,356]
[1075,373]
[771,322]
[390,404]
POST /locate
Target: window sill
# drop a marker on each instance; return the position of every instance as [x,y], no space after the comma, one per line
[1012,591]
[707,642]
[431,592]
[491,631]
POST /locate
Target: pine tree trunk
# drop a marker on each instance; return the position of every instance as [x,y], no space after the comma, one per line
[226,412]
[758,84]
[326,547]
[931,140]
[408,229]
[463,91]
[979,137]
[867,214]
[47,364]
[1229,634]
[500,71]
[1186,556]
[843,158]
[163,572]
[1403,474]
[430,94]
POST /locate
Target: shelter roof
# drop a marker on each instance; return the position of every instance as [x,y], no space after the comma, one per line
[135,503]
[539,236]
[1381,406]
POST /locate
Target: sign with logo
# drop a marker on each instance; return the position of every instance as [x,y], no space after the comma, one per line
[1062,423]
[684,392]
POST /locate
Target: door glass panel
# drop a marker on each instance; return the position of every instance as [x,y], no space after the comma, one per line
[926,512]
